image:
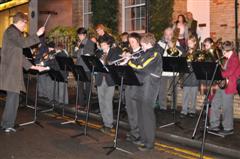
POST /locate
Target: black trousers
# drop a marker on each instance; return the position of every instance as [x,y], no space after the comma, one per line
[147,96]
[10,110]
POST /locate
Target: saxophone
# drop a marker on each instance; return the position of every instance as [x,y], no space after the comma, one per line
[173,51]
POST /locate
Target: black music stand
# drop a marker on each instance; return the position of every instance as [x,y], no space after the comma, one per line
[56,76]
[206,71]
[175,65]
[95,65]
[121,75]
[34,121]
[79,75]
[65,64]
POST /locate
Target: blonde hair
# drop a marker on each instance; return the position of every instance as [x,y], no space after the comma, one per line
[148,38]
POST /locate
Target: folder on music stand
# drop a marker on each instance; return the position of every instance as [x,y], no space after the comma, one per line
[175,64]
[94,64]
[205,70]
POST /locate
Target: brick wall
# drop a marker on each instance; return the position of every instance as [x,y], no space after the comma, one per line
[222,19]
[62,7]
[179,7]
[77,13]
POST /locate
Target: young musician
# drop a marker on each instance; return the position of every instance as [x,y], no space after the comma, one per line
[84,47]
[11,66]
[190,84]
[106,86]
[148,68]
[223,99]
[165,43]
[131,93]
[103,35]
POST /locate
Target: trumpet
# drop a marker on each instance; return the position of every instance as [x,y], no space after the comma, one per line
[135,55]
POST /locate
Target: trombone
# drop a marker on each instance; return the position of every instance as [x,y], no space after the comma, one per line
[132,56]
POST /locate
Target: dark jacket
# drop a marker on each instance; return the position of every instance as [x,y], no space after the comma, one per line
[12,59]
[113,54]
[148,64]
[193,28]
[86,48]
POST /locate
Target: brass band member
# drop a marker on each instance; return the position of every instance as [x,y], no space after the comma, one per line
[223,99]
[124,44]
[190,84]
[85,47]
[106,86]
[148,68]
[12,64]
[165,43]
[131,94]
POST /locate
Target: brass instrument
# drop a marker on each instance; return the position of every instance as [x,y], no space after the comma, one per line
[191,55]
[173,51]
[132,56]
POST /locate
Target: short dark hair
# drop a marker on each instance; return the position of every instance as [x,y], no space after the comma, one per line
[208,40]
[19,16]
[227,46]
[124,33]
[105,40]
[82,31]
[135,35]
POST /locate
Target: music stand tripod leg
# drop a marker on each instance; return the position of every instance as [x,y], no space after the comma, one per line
[88,111]
[175,123]
[115,147]
[76,107]
[34,121]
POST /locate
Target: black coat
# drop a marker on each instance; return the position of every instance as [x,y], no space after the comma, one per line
[193,28]
[12,59]
[113,54]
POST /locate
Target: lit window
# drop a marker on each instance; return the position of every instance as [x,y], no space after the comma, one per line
[87,13]
[135,15]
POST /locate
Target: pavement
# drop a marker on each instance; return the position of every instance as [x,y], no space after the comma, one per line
[54,140]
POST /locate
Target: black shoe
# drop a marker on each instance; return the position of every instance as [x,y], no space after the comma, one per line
[192,115]
[226,132]
[182,116]
[106,130]
[145,148]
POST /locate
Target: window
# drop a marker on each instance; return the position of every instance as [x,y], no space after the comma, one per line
[135,15]
[87,13]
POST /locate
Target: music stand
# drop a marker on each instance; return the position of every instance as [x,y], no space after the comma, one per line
[121,75]
[95,65]
[79,75]
[175,65]
[56,76]
[34,121]
[65,64]
[206,71]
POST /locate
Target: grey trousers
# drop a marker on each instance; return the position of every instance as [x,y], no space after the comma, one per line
[46,89]
[10,110]
[222,101]
[189,99]
[131,105]
[105,98]
[147,96]
[163,91]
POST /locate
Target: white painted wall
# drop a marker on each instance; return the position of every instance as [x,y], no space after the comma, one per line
[201,12]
